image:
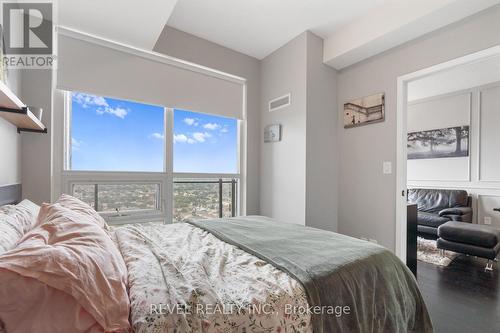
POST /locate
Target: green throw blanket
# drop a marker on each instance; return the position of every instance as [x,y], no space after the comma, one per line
[352,285]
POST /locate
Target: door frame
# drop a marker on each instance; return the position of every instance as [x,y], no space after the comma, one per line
[401,145]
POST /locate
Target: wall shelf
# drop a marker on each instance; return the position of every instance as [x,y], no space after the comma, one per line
[17,113]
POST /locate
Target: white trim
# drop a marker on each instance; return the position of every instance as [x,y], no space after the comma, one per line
[150,55]
[57,133]
[471,135]
[401,169]
[454,185]
[168,189]
[242,148]
[91,175]
[289,95]
[241,196]
[401,136]
[189,175]
[463,181]
[480,134]
[67,137]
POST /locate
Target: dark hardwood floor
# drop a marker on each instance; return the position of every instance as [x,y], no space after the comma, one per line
[461,297]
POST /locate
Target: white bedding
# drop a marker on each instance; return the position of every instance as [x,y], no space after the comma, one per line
[183,279]
[15,221]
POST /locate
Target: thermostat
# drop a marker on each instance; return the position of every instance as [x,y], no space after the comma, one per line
[272,133]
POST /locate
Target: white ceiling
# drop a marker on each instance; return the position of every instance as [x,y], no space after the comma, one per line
[133,22]
[393,24]
[353,29]
[258,27]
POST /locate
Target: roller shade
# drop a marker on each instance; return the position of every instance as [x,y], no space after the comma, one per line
[93,65]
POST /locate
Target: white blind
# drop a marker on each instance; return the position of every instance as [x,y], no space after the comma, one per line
[104,68]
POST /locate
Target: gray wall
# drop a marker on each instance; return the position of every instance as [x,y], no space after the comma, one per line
[10,141]
[36,156]
[321,144]
[299,174]
[181,45]
[283,164]
[367,197]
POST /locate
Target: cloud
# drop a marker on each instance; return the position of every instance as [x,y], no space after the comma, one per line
[118,111]
[191,121]
[224,130]
[201,137]
[87,100]
[181,138]
[211,126]
[197,137]
[158,136]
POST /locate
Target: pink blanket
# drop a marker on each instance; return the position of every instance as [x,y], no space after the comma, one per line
[70,253]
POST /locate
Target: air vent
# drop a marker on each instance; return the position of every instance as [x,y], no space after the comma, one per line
[279,102]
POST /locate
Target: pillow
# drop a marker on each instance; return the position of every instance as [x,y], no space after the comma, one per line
[69,252]
[81,207]
[15,221]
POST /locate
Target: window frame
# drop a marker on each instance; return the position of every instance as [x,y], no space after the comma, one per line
[164,179]
[72,178]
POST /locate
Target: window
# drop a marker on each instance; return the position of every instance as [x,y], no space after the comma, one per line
[204,198]
[135,162]
[115,135]
[205,143]
[119,198]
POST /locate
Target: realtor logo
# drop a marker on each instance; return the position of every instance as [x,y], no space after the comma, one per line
[27,34]
[27,28]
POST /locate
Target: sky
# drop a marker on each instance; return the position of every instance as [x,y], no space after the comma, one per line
[115,135]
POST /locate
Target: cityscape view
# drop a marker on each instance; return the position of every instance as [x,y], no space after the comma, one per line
[192,199]
[201,200]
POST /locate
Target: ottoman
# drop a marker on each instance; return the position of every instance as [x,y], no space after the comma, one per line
[472,239]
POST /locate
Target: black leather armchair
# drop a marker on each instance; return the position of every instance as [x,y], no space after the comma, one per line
[436,207]
[461,214]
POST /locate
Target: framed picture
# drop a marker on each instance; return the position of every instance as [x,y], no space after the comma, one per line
[439,143]
[364,111]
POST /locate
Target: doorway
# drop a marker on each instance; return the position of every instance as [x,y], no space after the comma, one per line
[415,79]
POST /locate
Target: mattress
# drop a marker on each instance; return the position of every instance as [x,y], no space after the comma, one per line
[184,279]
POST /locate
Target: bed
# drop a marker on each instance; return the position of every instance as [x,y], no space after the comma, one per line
[183,277]
[246,274]
[200,265]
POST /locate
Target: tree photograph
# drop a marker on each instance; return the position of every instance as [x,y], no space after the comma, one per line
[439,143]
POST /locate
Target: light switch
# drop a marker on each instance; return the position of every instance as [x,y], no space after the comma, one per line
[487,220]
[387,168]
